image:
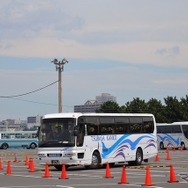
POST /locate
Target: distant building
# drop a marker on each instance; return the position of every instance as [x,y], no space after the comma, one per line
[11,127]
[33,122]
[12,124]
[105,97]
[89,106]
[93,105]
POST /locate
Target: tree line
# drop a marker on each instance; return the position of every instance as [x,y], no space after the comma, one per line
[172,110]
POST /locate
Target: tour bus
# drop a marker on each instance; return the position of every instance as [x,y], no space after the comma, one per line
[94,139]
[173,135]
[18,139]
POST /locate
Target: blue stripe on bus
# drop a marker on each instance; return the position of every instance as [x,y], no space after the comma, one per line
[167,136]
[18,143]
[123,143]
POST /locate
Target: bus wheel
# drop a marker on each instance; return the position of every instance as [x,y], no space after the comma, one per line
[4,146]
[111,164]
[96,160]
[59,167]
[161,145]
[33,146]
[139,158]
[183,145]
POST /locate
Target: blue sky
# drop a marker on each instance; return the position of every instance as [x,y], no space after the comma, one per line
[128,48]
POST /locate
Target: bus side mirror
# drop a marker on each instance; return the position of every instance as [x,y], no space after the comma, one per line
[76,131]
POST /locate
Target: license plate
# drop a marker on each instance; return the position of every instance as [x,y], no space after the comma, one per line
[54,155]
[55,162]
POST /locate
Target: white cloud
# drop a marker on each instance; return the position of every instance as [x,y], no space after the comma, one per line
[140,34]
[126,31]
[156,53]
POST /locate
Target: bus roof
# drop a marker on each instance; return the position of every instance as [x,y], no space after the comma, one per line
[181,122]
[13,131]
[76,115]
[163,124]
[174,123]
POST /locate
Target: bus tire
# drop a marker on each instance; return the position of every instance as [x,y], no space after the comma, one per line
[59,167]
[139,158]
[4,146]
[161,145]
[32,146]
[96,160]
[183,145]
[111,164]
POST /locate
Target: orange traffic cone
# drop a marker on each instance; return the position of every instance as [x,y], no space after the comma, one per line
[174,149]
[26,160]
[15,159]
[108,174]
[167,149]
[9,171]
[172,175]
[29,163]
[157,157]
[63,172]
[148,178]
[31,166]
[123,176]
[1,167]
[47,172]
[168,156]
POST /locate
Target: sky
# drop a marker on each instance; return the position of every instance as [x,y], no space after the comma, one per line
[127,48]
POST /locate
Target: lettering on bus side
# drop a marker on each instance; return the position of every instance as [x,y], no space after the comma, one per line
[103,138]
[111,137]
[97,138]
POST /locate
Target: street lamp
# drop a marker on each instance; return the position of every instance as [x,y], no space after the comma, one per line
[59,67]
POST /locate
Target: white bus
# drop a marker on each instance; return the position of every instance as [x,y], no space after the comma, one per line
[172,135]
[18,139]
[93,139]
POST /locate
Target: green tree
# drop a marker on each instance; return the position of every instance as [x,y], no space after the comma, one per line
[109,107]
[172,109]
[157,109]
[136,106]
[184,107]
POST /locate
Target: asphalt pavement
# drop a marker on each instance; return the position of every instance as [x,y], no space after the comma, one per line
[166,170]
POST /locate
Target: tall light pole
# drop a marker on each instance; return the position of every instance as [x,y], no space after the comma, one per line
[59,67]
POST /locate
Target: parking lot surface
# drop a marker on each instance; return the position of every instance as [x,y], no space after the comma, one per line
[167,170]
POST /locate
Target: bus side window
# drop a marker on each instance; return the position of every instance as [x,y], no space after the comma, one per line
[12,136]
[127,128]
[103,130]
[148,127]
[92,129]
[110,130]
[119,129]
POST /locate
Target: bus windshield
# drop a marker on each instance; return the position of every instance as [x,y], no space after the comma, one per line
[58,132]
[185,130]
